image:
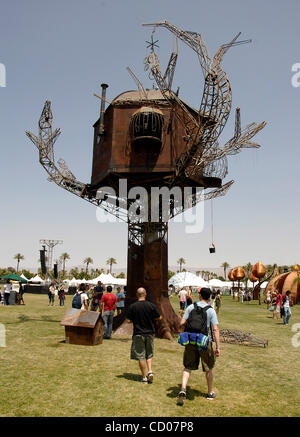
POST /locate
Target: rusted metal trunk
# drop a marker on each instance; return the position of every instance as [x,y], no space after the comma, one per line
[148,267]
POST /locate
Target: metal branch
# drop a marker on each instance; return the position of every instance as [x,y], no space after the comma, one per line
[143,94]
[62,176]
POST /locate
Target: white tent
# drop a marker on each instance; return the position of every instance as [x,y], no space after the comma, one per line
[186,279]
[37,280]
[105,279]
[217,283]
[251,285]
[227,284]
[24,277]
[116,281]
[108,280]
[120,281]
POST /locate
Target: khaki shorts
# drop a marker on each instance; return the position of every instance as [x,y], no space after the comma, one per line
[192,355]
[142,348]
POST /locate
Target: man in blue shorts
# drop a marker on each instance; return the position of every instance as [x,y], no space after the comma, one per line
[192,355]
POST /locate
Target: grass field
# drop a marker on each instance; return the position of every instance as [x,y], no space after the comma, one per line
[43,376]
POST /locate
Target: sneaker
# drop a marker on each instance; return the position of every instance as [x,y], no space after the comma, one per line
[211,395]
[181,397]
[144,380]
[150,377]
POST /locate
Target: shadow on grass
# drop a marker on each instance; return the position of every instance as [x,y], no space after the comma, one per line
[191,393]
[130,376]
[124,340]
[22,319]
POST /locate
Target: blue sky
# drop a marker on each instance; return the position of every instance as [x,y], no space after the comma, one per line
[63,50]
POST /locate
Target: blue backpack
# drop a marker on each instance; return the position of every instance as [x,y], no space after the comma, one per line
[76,302]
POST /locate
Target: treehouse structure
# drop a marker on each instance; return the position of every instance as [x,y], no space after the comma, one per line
[148,139]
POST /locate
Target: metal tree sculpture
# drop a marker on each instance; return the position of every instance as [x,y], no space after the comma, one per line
[196,159]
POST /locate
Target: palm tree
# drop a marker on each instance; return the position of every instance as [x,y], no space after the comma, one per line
[180,261]
[122,275]
[18,257]
[225,266]
[74,273]
[110,262]
[248,269]
[64,256]
[88,261]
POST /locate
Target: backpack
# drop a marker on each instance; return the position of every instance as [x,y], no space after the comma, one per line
[76,302]
[197,320]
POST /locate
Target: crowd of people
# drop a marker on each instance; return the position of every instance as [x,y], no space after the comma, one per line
[279,305]
[99,298]
[185,295]
[7,290]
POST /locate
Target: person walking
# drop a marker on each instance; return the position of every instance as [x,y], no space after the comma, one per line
[182,299]
[243,295]
[192,355]
[80,299]
[7,290]
[120,301]
[273,304]
[249,296]
[268,299]
[108,305]
[21,293]
[218,302]
[61,295]
[189,296]
[278,305]
[97,296]
[143,315]
[286,308]
[51,293]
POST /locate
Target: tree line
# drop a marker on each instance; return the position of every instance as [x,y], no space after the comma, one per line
[87,272]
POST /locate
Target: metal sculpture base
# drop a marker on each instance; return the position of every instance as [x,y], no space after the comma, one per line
[147,267]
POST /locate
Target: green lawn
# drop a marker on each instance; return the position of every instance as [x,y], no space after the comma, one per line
[43,376]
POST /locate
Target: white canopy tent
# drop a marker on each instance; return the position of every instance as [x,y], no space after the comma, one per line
[217,283]
[24,277]
[252,285]
[186,279]
[108,280]
[73,282]
[37,280]
[105,279]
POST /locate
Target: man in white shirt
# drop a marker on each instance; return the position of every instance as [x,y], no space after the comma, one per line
[7,290]
[84,297]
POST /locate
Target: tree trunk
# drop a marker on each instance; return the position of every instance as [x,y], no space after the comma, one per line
[147,267]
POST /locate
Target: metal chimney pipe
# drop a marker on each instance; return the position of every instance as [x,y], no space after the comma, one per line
[102,110]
